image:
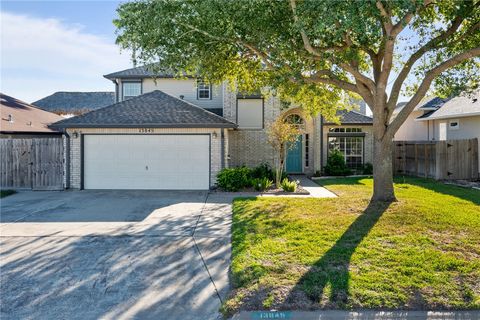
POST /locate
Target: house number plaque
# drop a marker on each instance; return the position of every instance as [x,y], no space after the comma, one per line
[146,130]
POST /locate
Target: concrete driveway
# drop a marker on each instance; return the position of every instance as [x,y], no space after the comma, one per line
[114,254]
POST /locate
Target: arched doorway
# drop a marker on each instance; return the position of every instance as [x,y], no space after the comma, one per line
[294,157]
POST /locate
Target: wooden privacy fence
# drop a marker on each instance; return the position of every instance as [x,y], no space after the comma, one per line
[450,159]
[34,163]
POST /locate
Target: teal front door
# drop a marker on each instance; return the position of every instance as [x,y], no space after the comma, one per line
[293,163]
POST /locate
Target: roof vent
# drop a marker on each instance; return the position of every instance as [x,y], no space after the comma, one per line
[182,96]
[10,118]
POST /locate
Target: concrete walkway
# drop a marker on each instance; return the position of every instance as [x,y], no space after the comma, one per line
[114,255]
[316,191]
[359,315]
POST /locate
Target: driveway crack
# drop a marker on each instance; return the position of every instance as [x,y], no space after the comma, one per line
[200,252]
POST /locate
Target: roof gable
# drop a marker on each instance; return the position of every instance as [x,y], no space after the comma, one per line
[464,105]
[155,109]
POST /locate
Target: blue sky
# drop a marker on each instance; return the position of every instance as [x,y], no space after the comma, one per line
[49,46]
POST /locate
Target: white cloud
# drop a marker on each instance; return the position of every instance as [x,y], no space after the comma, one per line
[42,56]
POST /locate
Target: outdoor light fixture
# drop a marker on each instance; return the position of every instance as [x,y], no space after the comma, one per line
[214,134]
[75,134]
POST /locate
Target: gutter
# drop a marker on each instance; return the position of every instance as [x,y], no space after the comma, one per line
[450,116]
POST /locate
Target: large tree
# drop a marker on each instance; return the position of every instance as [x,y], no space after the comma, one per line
[313,52]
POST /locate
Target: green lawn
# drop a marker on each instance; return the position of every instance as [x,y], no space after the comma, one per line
[422,252]
[4,193]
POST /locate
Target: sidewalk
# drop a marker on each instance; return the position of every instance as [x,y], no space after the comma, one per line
[316,191]
[358,315]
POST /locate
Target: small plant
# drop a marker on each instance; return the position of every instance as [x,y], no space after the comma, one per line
[367,168]
[336,165]
[288,186]
[263,171]
[281,136]
[261,184]
[234,179]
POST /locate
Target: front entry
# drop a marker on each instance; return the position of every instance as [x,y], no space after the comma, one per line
[293,163]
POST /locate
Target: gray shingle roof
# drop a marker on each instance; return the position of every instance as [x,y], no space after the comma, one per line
[433,104]
[464,105]
[155,109]
[75,102]
[352,117]
[139,73]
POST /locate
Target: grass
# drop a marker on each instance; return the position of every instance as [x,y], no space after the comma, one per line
[422,252]
[4,193]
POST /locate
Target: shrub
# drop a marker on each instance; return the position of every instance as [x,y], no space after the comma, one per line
[367,168]
[288,186]
[234,179]
[263,171]
[336,165]
[261,184]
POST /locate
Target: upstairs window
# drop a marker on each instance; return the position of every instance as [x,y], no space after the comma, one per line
[345,130]
[131,89]
[250,113]
[204,90]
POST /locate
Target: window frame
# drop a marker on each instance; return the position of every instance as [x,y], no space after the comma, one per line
[130,82]
[263,113]
[345,137]
[205,87]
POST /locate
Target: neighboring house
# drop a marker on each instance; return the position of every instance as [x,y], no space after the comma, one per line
[170,133]
[75,103]
[443,119]
[22,120]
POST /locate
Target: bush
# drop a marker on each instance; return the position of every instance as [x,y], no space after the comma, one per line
[288,186]
[263,171]
[261,184]
[368,168]
[336,165]
[234,179]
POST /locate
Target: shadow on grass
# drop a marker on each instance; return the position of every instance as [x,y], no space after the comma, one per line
[327,281]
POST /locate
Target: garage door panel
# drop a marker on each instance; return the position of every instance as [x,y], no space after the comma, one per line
[146,161]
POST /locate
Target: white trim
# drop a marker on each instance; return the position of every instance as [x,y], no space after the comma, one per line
[451,116]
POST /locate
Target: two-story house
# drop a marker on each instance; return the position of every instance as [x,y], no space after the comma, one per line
[169,133]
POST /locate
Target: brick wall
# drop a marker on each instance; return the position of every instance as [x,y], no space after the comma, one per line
[75,148]
[249,146]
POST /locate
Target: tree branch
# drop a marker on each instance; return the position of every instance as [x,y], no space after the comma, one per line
[387,19]
[425,85]
[306,42]
[331,80]
[432,44]
[358,76]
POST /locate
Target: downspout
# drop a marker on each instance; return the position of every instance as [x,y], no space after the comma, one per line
[222,147]
[67,159]
[321,144]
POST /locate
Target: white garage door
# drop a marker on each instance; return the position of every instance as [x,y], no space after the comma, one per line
[146,162]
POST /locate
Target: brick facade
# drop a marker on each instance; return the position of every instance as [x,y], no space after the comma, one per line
[76,153]
[250,147]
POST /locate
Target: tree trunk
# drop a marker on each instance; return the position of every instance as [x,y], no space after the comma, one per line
[383,170]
